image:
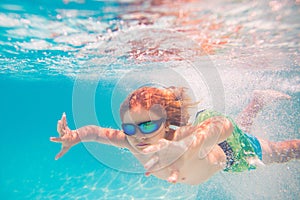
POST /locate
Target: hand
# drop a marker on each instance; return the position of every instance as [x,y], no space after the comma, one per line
[168,154]
[66,137]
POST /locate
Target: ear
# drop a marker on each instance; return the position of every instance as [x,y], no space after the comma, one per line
[167,126]
[169,133]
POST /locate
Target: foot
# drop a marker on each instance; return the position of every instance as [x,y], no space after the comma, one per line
[264,97]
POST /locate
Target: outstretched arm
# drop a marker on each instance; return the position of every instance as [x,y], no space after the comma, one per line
[91,133]
[196,138]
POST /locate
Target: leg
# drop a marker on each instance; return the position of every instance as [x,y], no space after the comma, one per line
[259,100]
[280,152]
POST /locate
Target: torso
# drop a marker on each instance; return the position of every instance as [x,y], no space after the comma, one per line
[192,170]
[195,171]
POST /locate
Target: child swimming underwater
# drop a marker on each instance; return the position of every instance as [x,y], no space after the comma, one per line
[190,153]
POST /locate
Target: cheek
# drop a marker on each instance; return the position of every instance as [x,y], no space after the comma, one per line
[130,139]
[156,138]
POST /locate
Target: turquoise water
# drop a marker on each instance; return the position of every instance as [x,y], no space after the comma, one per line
[83,57]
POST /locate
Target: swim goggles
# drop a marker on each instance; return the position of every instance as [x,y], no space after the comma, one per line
[147,127]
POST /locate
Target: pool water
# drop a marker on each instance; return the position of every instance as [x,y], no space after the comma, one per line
[83,57]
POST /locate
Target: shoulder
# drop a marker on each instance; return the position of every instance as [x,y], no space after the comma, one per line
[204,115]
[183,132]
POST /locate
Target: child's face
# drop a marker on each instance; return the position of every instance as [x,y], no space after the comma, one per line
[140,140]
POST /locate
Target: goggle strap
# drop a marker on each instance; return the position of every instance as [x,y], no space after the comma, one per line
[173,127]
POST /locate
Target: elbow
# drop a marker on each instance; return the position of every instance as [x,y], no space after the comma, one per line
[228,127]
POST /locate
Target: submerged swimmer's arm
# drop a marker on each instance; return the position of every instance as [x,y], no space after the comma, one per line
[209,133]
[91,133]
[108,136]
[212,131]
[188,140]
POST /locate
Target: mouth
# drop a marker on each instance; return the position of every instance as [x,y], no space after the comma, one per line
[142,144]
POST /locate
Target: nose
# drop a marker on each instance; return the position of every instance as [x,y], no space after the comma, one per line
[139,136]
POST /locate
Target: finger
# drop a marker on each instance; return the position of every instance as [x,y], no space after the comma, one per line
[163,142]
[64,120]
[62,152]
[63,116]
[186,142]
[59,128]
[62,125]
[65,127]
[55,139]
[173,177]
[147,173]
[151,149]
[156,147]
[151,163]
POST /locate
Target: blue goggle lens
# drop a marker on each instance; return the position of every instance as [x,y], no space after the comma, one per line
[128,129]
[144,127]
[148,127]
